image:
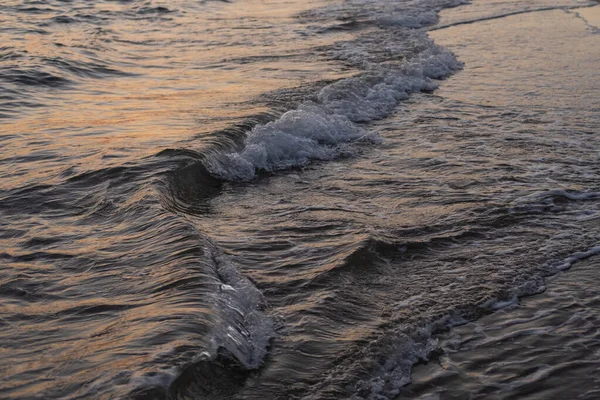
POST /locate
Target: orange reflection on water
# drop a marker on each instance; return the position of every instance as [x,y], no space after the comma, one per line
[141,85]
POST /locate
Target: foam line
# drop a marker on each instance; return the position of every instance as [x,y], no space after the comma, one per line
[508,14]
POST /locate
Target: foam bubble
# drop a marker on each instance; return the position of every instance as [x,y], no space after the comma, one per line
[299,136]
[394,373]
[324,129]
[572,259]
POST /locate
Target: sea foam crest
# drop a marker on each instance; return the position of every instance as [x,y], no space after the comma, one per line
[324,129]
[374,95]
[299,136]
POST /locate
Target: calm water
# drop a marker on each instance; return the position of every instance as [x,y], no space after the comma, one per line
[289,200]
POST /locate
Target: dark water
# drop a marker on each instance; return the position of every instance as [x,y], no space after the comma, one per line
[546,348]
[270,199]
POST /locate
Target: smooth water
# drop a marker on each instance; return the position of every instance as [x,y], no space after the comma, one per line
[270,199]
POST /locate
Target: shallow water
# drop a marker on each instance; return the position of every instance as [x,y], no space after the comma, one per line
[546,347]
[266,200]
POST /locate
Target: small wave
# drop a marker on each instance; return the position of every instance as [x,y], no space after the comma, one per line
[396,60]
[572,259]
[323,130]
[401,351]
[33,77]
[50,72]
[63,19]
[34,10]
[298,137]
[238,345]
[152,10]
[83,69]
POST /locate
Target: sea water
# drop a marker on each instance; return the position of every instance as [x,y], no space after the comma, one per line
[283,199]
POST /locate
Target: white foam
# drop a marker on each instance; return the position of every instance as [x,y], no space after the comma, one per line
[395,372]
[299,136]
[572,259]
[324,130]
[396,60]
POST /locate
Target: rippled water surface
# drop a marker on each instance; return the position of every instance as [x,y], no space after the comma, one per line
[293,200]
[546,348]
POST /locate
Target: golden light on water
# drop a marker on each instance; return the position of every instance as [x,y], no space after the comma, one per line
[155,92]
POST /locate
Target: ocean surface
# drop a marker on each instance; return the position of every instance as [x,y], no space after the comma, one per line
[284,199]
